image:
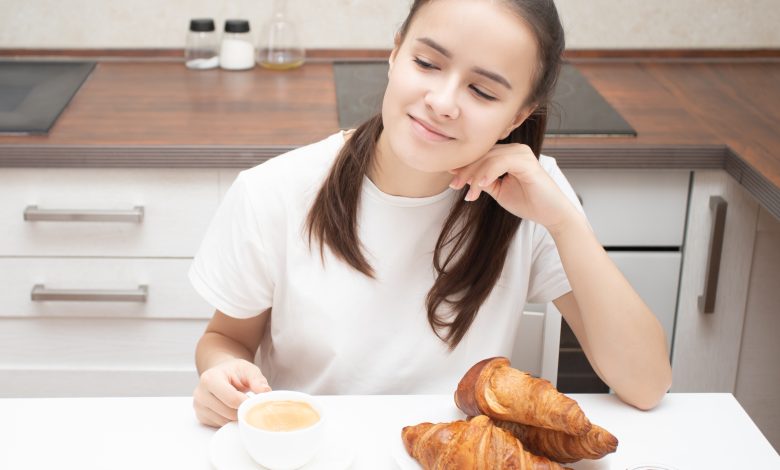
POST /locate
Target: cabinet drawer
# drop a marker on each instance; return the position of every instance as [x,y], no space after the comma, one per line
[98,344]
[39,383]
[634,207]
[169,294]
[177,207]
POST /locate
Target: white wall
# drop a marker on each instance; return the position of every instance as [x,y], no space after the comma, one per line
[608,24]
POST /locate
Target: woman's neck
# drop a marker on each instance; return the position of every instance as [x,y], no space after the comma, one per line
[392,176]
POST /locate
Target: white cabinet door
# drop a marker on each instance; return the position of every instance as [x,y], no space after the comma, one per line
[634,207]
[99,343]
[48,383]
[168,290]
[59,357]
[707,345]
[537,344]
[177,207]
[226,179]
[527,355]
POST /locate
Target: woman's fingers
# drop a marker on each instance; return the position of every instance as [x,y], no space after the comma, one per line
[225,392]
[483,175]
[220,390]
[249,377]
[218,406]
[210,417]
[216,393]
[205,400]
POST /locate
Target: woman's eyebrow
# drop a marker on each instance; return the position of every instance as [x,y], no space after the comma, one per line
[485,73]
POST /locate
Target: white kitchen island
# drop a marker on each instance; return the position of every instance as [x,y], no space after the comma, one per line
[685,432]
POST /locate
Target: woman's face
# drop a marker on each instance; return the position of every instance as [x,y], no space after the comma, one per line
[457,83]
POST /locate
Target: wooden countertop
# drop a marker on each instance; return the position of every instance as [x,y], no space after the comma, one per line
[151,113]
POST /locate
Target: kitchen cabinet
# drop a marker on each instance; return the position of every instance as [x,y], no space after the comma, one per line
[758,376]
[706,347]
[537,344]
[137,334]
[734,349]
[639,217]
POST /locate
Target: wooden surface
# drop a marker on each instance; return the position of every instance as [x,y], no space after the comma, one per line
[737,102]
[146,113]
[361,54]
[165,104]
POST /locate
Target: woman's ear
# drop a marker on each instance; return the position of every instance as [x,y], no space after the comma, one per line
[519,118]
[394,52]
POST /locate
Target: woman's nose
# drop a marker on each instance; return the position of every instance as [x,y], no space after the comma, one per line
[442,99]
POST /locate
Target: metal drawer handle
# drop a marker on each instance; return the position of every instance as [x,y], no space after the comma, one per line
[707,300]
[33,213]
[40,294]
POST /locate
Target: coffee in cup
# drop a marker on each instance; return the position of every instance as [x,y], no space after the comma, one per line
[281,430]
[282,415]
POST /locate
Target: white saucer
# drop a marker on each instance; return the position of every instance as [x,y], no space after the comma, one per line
[227,452]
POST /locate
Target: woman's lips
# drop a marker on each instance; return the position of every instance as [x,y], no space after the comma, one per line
[427,132]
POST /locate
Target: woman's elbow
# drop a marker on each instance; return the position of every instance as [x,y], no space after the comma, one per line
[652,392]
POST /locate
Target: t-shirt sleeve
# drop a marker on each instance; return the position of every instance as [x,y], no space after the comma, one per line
[548,280]
[231,268]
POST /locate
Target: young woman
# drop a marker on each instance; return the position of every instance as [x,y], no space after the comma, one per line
[392,258]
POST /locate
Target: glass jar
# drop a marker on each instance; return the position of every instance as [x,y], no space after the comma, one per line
[281,48]
[202,46]
[237,51]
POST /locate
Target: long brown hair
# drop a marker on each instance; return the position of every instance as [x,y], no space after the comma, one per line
[465,276]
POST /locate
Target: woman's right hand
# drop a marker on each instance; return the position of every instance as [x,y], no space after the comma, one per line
[222,389]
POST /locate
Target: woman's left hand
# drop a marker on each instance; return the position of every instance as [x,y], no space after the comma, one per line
[526,190]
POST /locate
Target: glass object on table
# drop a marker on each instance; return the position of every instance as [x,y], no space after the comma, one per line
[280,47]
[202,45]
[237,51]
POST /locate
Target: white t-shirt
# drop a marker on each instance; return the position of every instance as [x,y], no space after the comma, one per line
[334,330]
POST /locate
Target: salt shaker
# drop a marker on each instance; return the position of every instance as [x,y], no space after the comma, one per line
[237,51]
[202,46]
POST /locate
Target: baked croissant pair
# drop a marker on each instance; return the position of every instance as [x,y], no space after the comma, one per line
[519,422]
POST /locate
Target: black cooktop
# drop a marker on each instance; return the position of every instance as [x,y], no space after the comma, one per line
[33,94]
[578,109]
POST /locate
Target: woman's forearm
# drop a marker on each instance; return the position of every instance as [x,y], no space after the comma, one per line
[214,348]
[626,341]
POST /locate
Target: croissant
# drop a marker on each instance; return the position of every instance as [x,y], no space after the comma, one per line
[470,445]
[493,388]
[562,447]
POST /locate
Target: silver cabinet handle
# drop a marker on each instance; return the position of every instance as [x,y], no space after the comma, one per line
[707,300]
[34,213]
[40,294]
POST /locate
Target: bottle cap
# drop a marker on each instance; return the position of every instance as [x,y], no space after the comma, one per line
[202,24]
[236,26]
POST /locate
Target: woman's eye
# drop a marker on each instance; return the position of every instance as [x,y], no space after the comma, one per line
[482,94]
[423,64]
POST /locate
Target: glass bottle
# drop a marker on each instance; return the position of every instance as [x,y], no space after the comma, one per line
[237,51]
[281,49]
[202,46]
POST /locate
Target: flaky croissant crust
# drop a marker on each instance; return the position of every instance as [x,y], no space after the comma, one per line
[492,387]
[477,444]
[562,447]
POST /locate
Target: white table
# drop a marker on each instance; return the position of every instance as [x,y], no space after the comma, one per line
[687,431]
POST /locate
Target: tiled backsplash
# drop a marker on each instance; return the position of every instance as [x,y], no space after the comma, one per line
[324,24]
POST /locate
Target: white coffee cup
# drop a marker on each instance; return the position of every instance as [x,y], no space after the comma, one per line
[281,450]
